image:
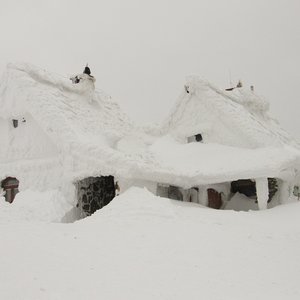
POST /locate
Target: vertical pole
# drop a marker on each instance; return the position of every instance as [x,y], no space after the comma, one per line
[262,192]
[284,192]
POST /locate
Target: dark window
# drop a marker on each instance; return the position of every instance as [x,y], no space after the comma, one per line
[175,193]
[248,187]
[15,123]
[10,185]
[296,191]
[244,186]
[198,137]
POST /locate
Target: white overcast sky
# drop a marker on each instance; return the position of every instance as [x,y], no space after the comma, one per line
[141,51]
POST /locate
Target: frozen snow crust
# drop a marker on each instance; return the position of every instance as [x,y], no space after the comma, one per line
[144,247]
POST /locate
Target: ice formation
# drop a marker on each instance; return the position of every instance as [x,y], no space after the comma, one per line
[68,132]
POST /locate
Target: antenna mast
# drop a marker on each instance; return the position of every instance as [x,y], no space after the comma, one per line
[230,81]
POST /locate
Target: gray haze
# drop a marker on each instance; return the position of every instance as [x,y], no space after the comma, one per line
[141,51]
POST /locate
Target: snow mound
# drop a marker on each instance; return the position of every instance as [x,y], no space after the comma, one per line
[136,203]
[145,247]
[240,202]
[35,206]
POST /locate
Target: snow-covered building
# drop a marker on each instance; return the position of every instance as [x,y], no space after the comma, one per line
[55,133]
[214,146]
[240,156]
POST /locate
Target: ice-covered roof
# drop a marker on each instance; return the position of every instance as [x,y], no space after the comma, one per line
[67,112]
[235,118]
[73,119]
[214,163]
[90,135]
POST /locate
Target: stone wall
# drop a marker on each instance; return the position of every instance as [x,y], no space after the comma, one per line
[95,192]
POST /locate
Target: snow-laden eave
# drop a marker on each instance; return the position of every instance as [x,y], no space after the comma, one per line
[188,180]
[105,161]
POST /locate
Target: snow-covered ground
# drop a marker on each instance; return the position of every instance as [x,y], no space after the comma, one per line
[144,247]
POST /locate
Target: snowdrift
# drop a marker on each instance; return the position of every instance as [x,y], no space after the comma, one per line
[144,247]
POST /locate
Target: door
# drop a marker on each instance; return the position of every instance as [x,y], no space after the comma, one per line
[214,199]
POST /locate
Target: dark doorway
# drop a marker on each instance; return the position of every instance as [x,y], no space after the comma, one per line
[94,193]
[175,193]
[170,191]
[247,187]
[10,186]
[214,199]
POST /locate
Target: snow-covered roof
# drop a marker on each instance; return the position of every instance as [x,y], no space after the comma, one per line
[214,163]
[64,110]
[88,134]
[235,118]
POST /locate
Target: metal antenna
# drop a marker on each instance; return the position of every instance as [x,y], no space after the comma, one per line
[230,81]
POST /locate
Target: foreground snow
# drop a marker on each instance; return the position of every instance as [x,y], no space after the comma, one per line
[145,247]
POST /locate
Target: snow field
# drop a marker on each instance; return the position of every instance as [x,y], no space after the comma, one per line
[144,247]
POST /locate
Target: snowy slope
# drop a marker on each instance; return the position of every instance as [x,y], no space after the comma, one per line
[144,247]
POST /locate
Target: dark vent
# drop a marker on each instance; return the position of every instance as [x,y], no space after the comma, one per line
[15,123]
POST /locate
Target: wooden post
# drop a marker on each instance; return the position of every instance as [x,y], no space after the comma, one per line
[262,192]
